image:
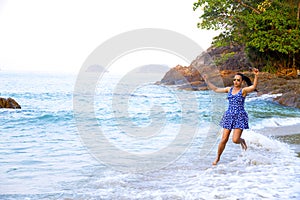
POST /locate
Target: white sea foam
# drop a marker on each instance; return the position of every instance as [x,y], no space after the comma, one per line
[254,97]
[267,170]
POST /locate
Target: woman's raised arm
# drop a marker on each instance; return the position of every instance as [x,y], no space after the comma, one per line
[215,88]
[252,87]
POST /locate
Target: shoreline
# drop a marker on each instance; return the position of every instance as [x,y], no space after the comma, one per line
[288,134]
[280,130]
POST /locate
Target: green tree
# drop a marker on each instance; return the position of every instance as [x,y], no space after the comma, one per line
[269,29]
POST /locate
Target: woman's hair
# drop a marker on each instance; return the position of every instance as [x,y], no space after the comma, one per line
[245,78]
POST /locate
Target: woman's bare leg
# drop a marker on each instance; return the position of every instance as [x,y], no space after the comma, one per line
[237,133]
[222,144]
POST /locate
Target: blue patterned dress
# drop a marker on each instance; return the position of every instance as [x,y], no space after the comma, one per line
[235,116]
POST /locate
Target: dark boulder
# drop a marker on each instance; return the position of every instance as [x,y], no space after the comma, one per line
[9,103]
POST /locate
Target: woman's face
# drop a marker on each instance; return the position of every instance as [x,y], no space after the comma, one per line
[237,80]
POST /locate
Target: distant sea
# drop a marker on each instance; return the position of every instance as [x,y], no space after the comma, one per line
[42,155]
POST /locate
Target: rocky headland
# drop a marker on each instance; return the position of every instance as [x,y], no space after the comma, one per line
[284,82]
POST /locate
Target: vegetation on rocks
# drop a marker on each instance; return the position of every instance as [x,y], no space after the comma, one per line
[268,30]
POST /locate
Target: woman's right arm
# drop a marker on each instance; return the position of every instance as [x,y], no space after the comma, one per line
[214,88]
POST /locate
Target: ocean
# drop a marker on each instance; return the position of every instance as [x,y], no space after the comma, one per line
[145,142]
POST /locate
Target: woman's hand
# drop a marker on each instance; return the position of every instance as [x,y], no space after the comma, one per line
[255,71]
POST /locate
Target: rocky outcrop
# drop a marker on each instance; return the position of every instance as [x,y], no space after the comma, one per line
[225,62]
[291,99]
[289,88]
[9,103]
[181,75]
[188,78]
[229,58]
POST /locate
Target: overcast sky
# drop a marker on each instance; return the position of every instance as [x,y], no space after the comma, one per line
[58,35]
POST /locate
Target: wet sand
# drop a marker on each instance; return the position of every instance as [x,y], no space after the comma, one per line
[280,130]
[287,134]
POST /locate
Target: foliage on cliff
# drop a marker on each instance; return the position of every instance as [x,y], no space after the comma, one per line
[268,29]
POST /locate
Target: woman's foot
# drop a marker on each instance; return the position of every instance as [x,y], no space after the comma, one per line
[216,161]
[243,144]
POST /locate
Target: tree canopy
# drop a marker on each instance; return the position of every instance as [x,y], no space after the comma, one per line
[268,29]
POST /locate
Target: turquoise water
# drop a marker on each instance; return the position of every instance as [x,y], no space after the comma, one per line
[44,156]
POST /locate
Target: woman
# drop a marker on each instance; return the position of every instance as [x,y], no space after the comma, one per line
[235,118]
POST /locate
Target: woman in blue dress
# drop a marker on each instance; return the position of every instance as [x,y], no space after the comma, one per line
[235,118]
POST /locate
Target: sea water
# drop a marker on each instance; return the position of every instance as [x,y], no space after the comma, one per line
[43,155]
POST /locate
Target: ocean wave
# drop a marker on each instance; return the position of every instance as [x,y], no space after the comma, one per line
[19,117]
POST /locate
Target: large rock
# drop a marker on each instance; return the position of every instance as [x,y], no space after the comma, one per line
[291,99]
[181,75]
[9,103]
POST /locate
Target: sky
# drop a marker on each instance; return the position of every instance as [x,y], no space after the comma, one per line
[59,35]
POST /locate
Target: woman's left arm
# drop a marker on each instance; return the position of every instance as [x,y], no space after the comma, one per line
[251,88]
